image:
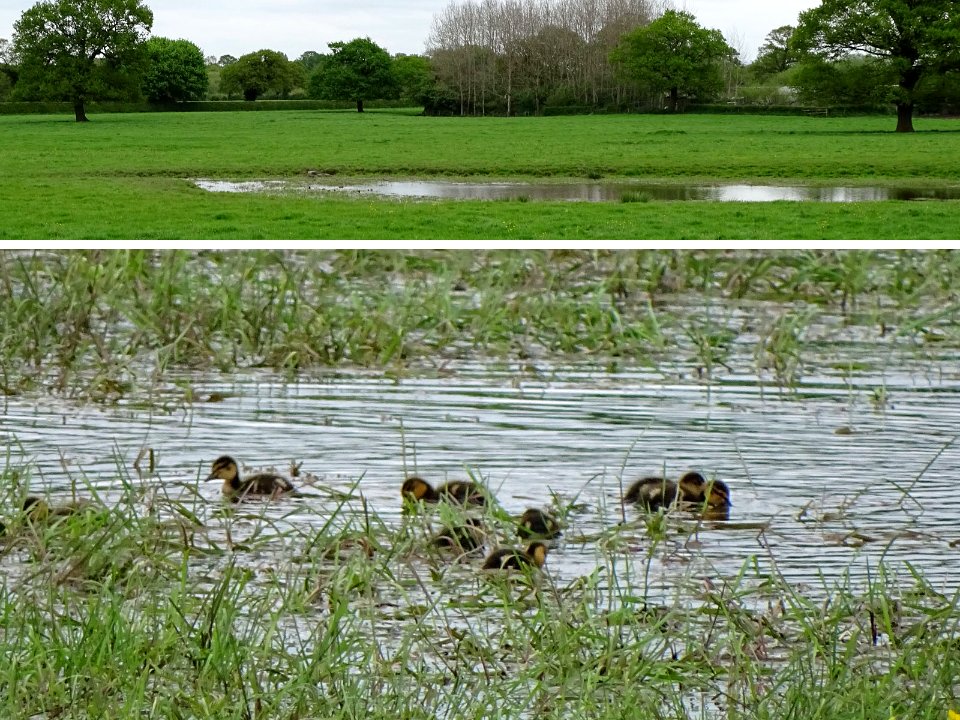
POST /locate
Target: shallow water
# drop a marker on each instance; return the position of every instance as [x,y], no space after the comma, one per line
[588,191]
[838,483]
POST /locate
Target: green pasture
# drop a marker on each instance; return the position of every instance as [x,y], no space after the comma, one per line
[128,175]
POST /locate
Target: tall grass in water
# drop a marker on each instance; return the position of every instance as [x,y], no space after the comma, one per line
[175,607]
[96,324]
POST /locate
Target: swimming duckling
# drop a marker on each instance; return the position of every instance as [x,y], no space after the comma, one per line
[652,492]
[534,556]
[466,538]
[236,488]
[713,498]
[460,491]
[538,523]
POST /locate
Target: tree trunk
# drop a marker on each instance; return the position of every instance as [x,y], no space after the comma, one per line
[78,111]
[904,117]
[359,105]
[674,99]
[909,78]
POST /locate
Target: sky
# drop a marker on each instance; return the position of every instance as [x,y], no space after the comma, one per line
[237,27]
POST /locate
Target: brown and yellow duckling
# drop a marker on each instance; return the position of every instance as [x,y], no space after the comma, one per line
[466,538]
[536,523]
[236,488]
[510,558]
[458,491]
[711,498]
[653,493]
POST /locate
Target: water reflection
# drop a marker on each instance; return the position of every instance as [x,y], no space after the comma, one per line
[590,191]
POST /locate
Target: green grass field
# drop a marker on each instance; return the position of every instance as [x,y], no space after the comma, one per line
[127,175]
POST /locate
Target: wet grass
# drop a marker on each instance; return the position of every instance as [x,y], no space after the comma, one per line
[166,603]
[97,324]
[128,176]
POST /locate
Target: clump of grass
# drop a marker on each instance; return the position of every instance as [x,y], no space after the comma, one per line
[634,196]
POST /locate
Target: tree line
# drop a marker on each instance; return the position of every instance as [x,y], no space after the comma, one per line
[510,57]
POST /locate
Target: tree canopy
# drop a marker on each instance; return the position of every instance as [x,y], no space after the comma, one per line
[357,70]
[919,38]
[674,54]
[175,71]
[260,72]
[81,49]
[775,55]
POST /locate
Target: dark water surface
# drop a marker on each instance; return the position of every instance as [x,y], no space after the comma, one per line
[590,191]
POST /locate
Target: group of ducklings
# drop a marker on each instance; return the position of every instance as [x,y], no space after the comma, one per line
[537,525]
[692,493]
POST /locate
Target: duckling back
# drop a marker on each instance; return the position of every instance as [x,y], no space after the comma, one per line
[652,493]
[512,559]
[466,538]
[538,523]
[463,492]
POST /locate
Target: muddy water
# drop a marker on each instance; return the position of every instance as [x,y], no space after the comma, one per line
[837,481]
[587,191]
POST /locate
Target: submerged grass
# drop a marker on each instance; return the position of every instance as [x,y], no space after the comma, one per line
[149,606]
[97,324]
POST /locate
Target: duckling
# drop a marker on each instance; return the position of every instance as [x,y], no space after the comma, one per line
[534,556]
[653,493]
[459,491]
[38,510]
[713,498]
[538,523]
[466,538]
[236,488]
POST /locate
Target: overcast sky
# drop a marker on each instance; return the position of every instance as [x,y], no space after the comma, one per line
[236,27]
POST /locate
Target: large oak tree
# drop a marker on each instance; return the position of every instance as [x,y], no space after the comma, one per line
[357,70]
[80,49]
[260,72]
[918,38]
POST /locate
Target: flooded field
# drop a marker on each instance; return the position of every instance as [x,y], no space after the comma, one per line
[587,191]
[838,556]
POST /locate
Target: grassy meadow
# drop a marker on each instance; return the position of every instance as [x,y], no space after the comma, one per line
[128,175]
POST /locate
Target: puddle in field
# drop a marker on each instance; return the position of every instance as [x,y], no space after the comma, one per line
[588,191]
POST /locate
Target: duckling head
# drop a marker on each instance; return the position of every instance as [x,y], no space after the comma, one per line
[224,468]
[537,551]
[718,495]
[416,488]
[695,488]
